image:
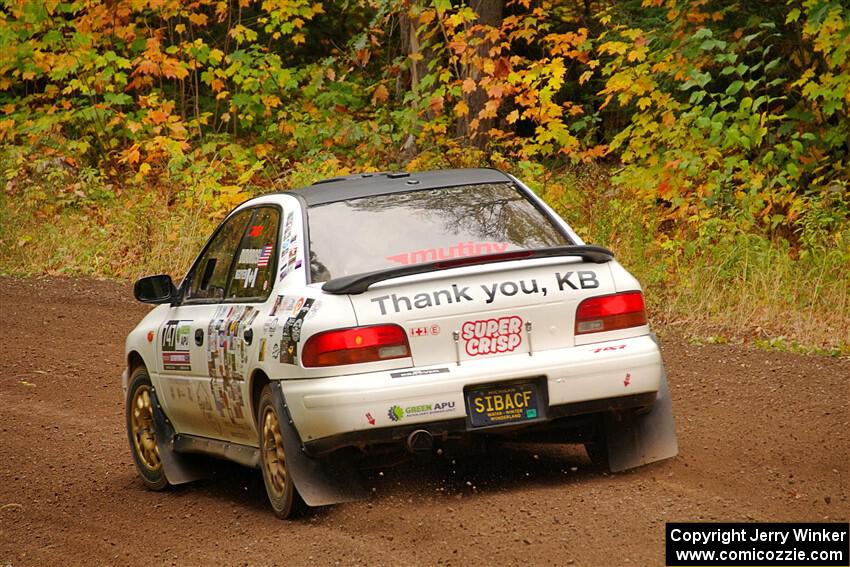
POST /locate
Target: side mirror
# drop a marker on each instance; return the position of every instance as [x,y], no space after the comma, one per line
[155,289]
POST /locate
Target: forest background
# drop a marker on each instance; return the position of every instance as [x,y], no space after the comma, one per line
[707,142]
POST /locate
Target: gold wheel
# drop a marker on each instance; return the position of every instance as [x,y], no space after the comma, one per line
[274,459]
[142,429]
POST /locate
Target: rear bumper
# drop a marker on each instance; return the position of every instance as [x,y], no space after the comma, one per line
[358,409]
[454,427]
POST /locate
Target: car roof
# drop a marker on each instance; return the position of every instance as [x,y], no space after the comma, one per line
[384,183]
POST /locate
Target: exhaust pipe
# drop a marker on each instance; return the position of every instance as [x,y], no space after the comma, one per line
[420,442]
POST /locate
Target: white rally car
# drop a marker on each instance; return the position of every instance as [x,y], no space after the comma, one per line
[381,310]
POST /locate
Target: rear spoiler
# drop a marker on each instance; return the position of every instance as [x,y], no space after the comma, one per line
[358,283]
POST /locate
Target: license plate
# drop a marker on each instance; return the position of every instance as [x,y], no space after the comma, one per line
[500,404]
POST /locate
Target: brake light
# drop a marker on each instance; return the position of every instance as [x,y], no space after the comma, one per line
[355,345]
[485,259]
[610,312]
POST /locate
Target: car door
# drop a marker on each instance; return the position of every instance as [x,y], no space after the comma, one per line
[233,331]
[202,347]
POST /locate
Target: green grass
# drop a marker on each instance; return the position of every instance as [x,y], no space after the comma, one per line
[714,281]
[123,238]
[718,285]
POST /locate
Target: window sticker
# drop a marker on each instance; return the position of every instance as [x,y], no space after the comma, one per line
[265,256]
[291,335]
[289,261]
[250,256]
[248,276]
[287,229]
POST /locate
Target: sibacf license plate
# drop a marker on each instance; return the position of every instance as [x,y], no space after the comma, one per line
[501,404]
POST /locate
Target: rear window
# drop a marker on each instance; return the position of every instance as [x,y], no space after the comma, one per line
[384,231]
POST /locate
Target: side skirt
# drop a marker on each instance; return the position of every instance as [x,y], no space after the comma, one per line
[245,455]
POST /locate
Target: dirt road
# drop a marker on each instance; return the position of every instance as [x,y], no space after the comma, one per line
[763,436]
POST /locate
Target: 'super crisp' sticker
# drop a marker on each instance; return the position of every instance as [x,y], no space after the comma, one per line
[492,336]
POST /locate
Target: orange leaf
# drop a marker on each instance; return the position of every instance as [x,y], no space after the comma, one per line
[468,86]
[131,154]
[157,116]
[496,91]
[381,94]
[172,69]
[502,68]
[457,45]
[198,19]
[147,67]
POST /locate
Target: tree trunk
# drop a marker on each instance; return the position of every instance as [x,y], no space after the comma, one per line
[410,46]
[489,14]
[419,58]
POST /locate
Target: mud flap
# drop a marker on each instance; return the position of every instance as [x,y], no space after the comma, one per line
[179,468]
[320,482]
[642,439]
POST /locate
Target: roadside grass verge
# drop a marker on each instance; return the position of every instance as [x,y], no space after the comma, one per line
[716,283]
[719,285]
[124,238]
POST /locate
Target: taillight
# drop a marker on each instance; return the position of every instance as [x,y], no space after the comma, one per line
[355,345]
[610,312]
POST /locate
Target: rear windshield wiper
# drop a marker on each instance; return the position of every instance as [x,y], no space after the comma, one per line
[358,283]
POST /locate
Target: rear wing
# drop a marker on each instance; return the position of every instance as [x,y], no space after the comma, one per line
[359,283]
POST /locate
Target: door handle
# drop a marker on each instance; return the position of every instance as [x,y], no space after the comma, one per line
[199,337]
[249,335]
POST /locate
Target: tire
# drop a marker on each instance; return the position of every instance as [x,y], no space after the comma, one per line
[141,430]
[280,489]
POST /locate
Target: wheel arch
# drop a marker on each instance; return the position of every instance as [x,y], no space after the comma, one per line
[134,360]
[257,382]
